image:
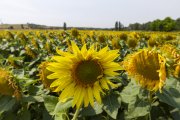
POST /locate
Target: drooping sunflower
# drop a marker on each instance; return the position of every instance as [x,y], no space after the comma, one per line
[147,67]
[7,84]
[82,74]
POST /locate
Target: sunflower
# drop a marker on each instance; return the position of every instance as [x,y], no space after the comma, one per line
[43,73]
[148,68]
[8,85]
[83,74]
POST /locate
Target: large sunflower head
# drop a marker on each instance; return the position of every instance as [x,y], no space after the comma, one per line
[148,68]
[82,74]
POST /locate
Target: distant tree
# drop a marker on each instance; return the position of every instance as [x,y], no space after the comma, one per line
[135,26]
[64,26]
[22,27]
[116,25]
[156,25]
[120,26]
[11,27]
[168,24]
[177,26]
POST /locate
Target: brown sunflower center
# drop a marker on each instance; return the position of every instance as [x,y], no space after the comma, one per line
[88,71]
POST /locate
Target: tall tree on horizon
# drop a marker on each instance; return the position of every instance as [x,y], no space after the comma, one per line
[64,26]
[116,25]
[120,26]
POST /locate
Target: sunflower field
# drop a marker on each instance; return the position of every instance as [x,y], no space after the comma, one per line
[89,75]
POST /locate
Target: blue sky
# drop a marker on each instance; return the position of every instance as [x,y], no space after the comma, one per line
[89,13]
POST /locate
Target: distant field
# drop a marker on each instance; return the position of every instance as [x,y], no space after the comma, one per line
[14,26]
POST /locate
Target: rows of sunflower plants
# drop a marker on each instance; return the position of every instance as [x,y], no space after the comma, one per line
[89,75]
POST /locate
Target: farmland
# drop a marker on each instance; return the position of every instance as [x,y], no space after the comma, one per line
[93,75]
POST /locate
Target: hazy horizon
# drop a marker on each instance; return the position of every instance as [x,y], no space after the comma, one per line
[90,13]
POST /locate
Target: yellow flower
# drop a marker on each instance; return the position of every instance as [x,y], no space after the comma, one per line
[115,43]
[82,74]
[132,42]
[30,52]
[148,68]
[172,55]
[8,85]
[43,73]
[152,41]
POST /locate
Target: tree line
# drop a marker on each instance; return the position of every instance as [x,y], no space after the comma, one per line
[167,24]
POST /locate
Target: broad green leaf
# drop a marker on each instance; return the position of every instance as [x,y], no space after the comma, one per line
[25,115]
[91,111]
[138,108]
[61,109]
[10,116]
[111,104]
[50,103]
[62,106]
[61,116]
[6,103]
[129,93]
[171,93]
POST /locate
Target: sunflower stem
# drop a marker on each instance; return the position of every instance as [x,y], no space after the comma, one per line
[76,114]
[151,101]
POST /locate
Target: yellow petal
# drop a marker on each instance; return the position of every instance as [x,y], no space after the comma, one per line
[86,99]
[84,51]
[110,72]
[96,92]
[67,92]
[75,47]
[77,95]
[90,96]
[112,84]
[61,81]
[104,84]
[80,101]
[62,53]
[62,59]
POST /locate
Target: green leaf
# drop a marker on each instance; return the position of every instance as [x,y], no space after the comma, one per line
[136,98]
[130,92]
[171,93]
[25,115]
[170,96]
[61,116]
[62,106]
[61,109]
[138,108]
[50,103]
[175,113]
[91,111]
[111,104]
[10,116]
[6,103]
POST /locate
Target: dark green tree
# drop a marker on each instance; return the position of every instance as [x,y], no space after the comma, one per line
[64,26]
[116,25]
[177,26]
[120,26]
[22,27]
[168,24]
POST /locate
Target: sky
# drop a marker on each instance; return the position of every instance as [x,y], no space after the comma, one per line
[86,13]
